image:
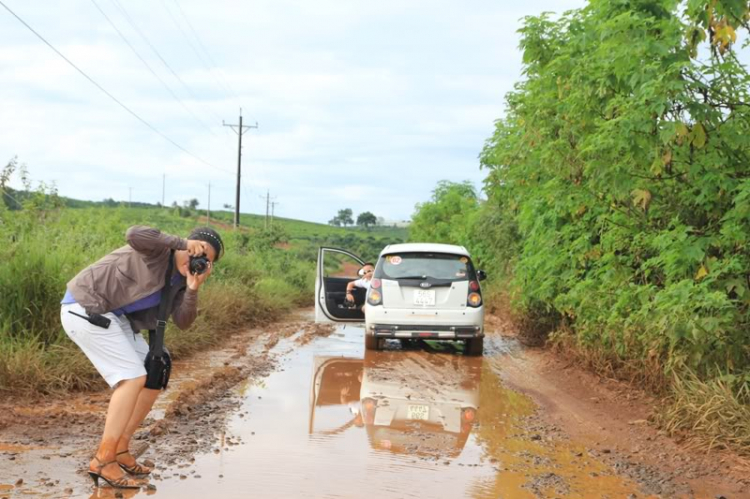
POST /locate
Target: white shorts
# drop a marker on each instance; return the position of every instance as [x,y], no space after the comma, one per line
[116,352]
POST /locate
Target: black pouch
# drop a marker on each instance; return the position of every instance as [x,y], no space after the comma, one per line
[158,362]
[158,370]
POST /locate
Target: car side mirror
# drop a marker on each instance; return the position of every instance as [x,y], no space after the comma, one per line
[481,275]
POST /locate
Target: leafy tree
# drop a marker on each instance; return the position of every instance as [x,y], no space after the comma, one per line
[193,204]
[446,217]
[345,216]
[366,219]
[621,174]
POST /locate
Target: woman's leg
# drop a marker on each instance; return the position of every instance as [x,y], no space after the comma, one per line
[146,399]
[121,406]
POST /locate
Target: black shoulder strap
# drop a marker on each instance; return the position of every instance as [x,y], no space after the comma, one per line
[157,339]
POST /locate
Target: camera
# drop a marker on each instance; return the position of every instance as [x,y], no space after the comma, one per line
[198,264]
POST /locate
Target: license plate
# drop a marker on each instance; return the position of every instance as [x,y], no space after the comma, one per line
[420,412]
[424,297]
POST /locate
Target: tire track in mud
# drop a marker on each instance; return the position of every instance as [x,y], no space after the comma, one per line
[46,444]
[197,415]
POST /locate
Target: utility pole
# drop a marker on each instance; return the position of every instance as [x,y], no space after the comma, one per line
[163,187]
[208,208]
[239,130]
[130,196]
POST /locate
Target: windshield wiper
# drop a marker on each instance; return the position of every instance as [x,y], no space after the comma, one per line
[420,277]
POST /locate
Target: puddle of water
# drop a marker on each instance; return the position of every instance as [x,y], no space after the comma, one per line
[330,423]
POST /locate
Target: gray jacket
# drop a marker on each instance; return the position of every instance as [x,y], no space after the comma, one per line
[133,272]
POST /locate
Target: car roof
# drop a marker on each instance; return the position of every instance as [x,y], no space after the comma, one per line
[424,248]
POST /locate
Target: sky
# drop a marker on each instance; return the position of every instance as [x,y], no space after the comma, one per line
[359,104]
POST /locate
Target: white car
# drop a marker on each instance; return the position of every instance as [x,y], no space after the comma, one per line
[418,291]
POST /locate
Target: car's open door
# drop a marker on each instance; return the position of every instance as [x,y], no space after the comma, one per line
[337,268]
[336,381]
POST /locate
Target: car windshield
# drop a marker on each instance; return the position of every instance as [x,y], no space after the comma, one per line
[440,266]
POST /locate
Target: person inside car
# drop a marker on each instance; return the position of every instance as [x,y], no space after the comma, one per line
[363,282]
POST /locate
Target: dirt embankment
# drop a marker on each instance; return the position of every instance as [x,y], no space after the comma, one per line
[615,421]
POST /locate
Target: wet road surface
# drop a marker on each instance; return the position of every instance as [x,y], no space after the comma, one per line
[316,416]
[334,422]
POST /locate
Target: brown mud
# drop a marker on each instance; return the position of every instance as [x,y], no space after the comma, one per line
[296,409]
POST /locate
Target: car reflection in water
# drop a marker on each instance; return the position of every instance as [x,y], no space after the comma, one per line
[412,402]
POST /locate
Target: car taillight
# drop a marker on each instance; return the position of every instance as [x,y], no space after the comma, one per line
[375,283]
[368,410]
[474,300]
[374,297]
[469,414]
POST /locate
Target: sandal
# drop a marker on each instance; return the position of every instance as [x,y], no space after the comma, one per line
[136,469]
[118,483]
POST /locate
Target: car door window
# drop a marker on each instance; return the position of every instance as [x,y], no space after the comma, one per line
[340,265]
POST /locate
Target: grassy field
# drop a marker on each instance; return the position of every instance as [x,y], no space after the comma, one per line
[301,230]
[264,274]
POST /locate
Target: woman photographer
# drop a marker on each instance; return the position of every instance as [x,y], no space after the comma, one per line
[103,311]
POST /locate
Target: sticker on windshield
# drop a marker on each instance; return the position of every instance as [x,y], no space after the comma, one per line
[396,260]
[464,260]
[460,273]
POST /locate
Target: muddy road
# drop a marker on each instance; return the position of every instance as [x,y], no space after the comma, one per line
[299,410]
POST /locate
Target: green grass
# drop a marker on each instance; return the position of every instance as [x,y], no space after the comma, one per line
[300,229]
[263,275]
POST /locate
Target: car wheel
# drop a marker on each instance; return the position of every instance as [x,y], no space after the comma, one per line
[372,343]
[474,346]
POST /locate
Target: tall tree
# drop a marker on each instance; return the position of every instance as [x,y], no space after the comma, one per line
[366,219]
[445,218]
[345,217]
[623,162]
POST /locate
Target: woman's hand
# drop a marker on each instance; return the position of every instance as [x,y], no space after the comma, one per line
[196,248]
[194,281]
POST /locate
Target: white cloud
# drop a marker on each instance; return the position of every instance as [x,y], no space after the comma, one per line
[360,104]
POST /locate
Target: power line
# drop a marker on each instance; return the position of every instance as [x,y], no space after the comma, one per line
[93,82]
[192,46]
[155,51]
[164,84]
[205,50]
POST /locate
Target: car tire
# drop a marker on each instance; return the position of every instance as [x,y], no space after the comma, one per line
[372,343]
[474,346]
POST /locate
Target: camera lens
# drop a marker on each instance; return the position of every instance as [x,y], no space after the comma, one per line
[198,264]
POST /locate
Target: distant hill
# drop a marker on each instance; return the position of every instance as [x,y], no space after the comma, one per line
[296,229]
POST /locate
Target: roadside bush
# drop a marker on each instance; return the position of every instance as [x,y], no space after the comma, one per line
[618,197]
[43,246]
